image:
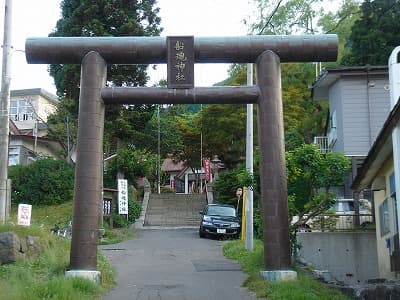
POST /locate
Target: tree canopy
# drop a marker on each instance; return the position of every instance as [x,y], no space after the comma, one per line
[310,176]
[104,18]
[375,34]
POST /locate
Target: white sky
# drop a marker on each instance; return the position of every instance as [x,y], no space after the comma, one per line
[179,17]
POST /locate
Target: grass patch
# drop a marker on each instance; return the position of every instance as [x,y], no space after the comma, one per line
[46,216]
[43,276]
[252,262]
[115,236]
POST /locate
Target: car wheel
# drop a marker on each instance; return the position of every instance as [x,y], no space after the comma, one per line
[202,234]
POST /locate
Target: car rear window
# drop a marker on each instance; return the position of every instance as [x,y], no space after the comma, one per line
[225,211]
[348,206]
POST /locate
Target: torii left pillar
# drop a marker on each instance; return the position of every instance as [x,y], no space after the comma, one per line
[88,180]
[272,170]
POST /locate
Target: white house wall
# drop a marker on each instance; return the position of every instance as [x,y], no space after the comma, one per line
[365,108]
[41,147]
[45,108]
[380,104]
[379,197]
[42,105]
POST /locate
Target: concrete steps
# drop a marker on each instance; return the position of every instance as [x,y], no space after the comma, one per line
[174,210]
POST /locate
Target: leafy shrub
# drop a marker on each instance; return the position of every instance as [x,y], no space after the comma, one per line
[226,186]
[166,190]
[43,182]
[134,210]
[133,163]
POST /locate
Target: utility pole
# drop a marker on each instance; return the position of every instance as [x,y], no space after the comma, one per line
[68,143]
[158,151]
[249,164]
[4,110]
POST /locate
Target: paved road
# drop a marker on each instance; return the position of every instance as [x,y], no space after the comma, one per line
[174,264]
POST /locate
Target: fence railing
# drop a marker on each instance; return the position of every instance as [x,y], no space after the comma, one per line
[340,222]
[322,142]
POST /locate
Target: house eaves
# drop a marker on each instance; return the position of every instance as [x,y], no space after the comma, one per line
[54,144]
[380,151]
[38,91]
[13,128]
[320,88]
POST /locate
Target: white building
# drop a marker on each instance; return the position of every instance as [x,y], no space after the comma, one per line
[29,110]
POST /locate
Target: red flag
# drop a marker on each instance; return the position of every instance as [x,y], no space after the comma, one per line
[207,169]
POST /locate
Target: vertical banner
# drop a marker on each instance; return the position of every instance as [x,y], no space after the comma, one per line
[24,214]
[122,196]
[207,169]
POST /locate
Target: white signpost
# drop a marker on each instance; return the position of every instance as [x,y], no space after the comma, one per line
[24,214]
[122,197]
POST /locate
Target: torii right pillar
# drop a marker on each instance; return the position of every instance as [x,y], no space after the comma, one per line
[273,185]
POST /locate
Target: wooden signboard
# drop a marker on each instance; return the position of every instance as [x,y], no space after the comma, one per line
[180,51]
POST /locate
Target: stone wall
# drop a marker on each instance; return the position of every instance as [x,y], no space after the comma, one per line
[13,248]
[345,257]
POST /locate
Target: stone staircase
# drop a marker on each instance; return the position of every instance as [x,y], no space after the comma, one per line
[174,210]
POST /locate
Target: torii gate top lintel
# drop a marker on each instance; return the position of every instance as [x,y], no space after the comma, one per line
[153,50]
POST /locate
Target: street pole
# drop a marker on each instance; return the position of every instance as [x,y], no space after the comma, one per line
[249,164]
[4,110]
[68,143]
[158,151]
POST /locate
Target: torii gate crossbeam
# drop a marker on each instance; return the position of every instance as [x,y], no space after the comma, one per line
[95,53]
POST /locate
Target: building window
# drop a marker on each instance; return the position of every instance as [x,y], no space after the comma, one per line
[13,156]
[332,134]
[392,186]
[21,110]
[384,217]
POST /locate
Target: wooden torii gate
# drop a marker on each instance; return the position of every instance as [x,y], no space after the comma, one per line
[94,53]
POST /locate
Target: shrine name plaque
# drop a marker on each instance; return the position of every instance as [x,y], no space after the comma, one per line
[180,63]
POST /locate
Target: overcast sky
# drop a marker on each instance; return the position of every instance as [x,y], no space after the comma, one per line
[179,17]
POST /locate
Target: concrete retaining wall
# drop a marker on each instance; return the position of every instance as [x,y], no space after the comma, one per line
[350,257]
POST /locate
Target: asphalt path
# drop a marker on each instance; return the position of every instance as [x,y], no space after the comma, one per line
[174,264]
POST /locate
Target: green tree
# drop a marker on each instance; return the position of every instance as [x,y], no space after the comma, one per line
[227,183]
[287,17]
[133,163]
[43,182]
[128,125]
[301,115]
[170,139]
[341,23]
[310,177]
[224,132]
[63,125]
[106,18]
[375,34]
[190,133]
